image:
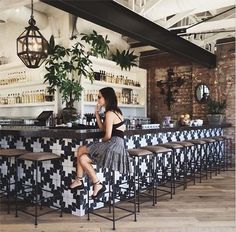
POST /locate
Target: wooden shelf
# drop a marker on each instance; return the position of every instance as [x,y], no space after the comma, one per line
[33,104]
[22,85]
[114,85]
[120,105]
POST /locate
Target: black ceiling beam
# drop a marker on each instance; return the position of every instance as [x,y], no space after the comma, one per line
[115,17]
[137,44]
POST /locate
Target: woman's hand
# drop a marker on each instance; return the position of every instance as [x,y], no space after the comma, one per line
[98,109]
[98,118]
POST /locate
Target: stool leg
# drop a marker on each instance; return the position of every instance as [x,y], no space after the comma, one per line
[88,187]
[171,175]
[61,191]
[8,183]
[153,176]
[193,172]
[110,193]
[230,154]
[16,187]
[216,156]
[206,159]
[201,160]
[113,200]
[36,193]
[173,171]
[138,174]
[224,160]
[134,186]
[210,159]
[185,169]
[41,181]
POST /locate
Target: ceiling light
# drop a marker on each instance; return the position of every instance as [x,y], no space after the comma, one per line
[32,47]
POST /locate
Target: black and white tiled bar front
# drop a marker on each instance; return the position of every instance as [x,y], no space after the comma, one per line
[64,143]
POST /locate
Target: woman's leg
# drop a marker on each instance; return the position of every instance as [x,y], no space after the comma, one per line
[86,164]
[81,150]
[79,170]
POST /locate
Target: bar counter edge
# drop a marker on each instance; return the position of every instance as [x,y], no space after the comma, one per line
[91,133]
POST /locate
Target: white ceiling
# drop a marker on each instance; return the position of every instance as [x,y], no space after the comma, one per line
[189,15]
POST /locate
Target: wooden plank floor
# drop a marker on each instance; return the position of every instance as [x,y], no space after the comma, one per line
[205,207]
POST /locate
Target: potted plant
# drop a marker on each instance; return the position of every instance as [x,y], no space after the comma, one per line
[65,68]
[215,111]
[125,59]
[98,43]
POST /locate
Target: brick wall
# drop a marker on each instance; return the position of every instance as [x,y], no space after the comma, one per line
[220,80]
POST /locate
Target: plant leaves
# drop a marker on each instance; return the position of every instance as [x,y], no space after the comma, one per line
[64,67]
[125,59]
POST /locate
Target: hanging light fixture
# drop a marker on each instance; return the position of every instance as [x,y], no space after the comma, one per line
[32,47]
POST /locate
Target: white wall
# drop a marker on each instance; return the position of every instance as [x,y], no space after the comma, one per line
[60,26]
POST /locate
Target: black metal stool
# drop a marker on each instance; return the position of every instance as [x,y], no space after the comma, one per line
[178,165]
[212,155]
[35,194]
[144,181]
[200,165]
[115,199]
[189,161]
[229,153]
[10,156]
[162,170]
[220,150]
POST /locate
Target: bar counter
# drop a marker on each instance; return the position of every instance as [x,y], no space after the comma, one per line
[70,133]
[64,142]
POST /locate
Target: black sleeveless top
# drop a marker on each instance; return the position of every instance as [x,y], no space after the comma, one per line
[116,132]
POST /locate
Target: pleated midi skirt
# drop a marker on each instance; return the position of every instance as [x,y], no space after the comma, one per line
[110,154]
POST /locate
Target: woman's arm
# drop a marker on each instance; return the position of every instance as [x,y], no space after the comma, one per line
[108,125]
[98,118]
[99,121]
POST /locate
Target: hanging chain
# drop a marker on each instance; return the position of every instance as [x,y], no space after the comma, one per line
[32,16]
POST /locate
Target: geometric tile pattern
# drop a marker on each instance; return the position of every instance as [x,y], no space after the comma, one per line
[74,201]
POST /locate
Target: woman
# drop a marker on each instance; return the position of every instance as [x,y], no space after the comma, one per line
[110,153]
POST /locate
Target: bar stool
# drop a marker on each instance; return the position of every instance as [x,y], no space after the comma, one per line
[10,156]
[162,169]
[189,161]
[229,153]
[211,155]
[200,165]
[35,195]
[220,152]
[144,181]
[178,165]
[114,197]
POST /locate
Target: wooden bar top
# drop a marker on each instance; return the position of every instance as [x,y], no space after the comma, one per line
[71,133]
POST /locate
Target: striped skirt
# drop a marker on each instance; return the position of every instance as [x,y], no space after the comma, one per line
[110,154]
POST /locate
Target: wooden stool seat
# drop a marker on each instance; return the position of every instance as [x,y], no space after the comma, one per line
[208,140]
[218,138]
[12,152]
[172,145]
[39,156]
[156,149]
[138,152]
[197,141]
[184,143]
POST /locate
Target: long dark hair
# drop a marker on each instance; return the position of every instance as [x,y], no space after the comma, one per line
[110,98]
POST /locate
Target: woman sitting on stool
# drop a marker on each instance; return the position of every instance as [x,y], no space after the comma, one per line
[110,153]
